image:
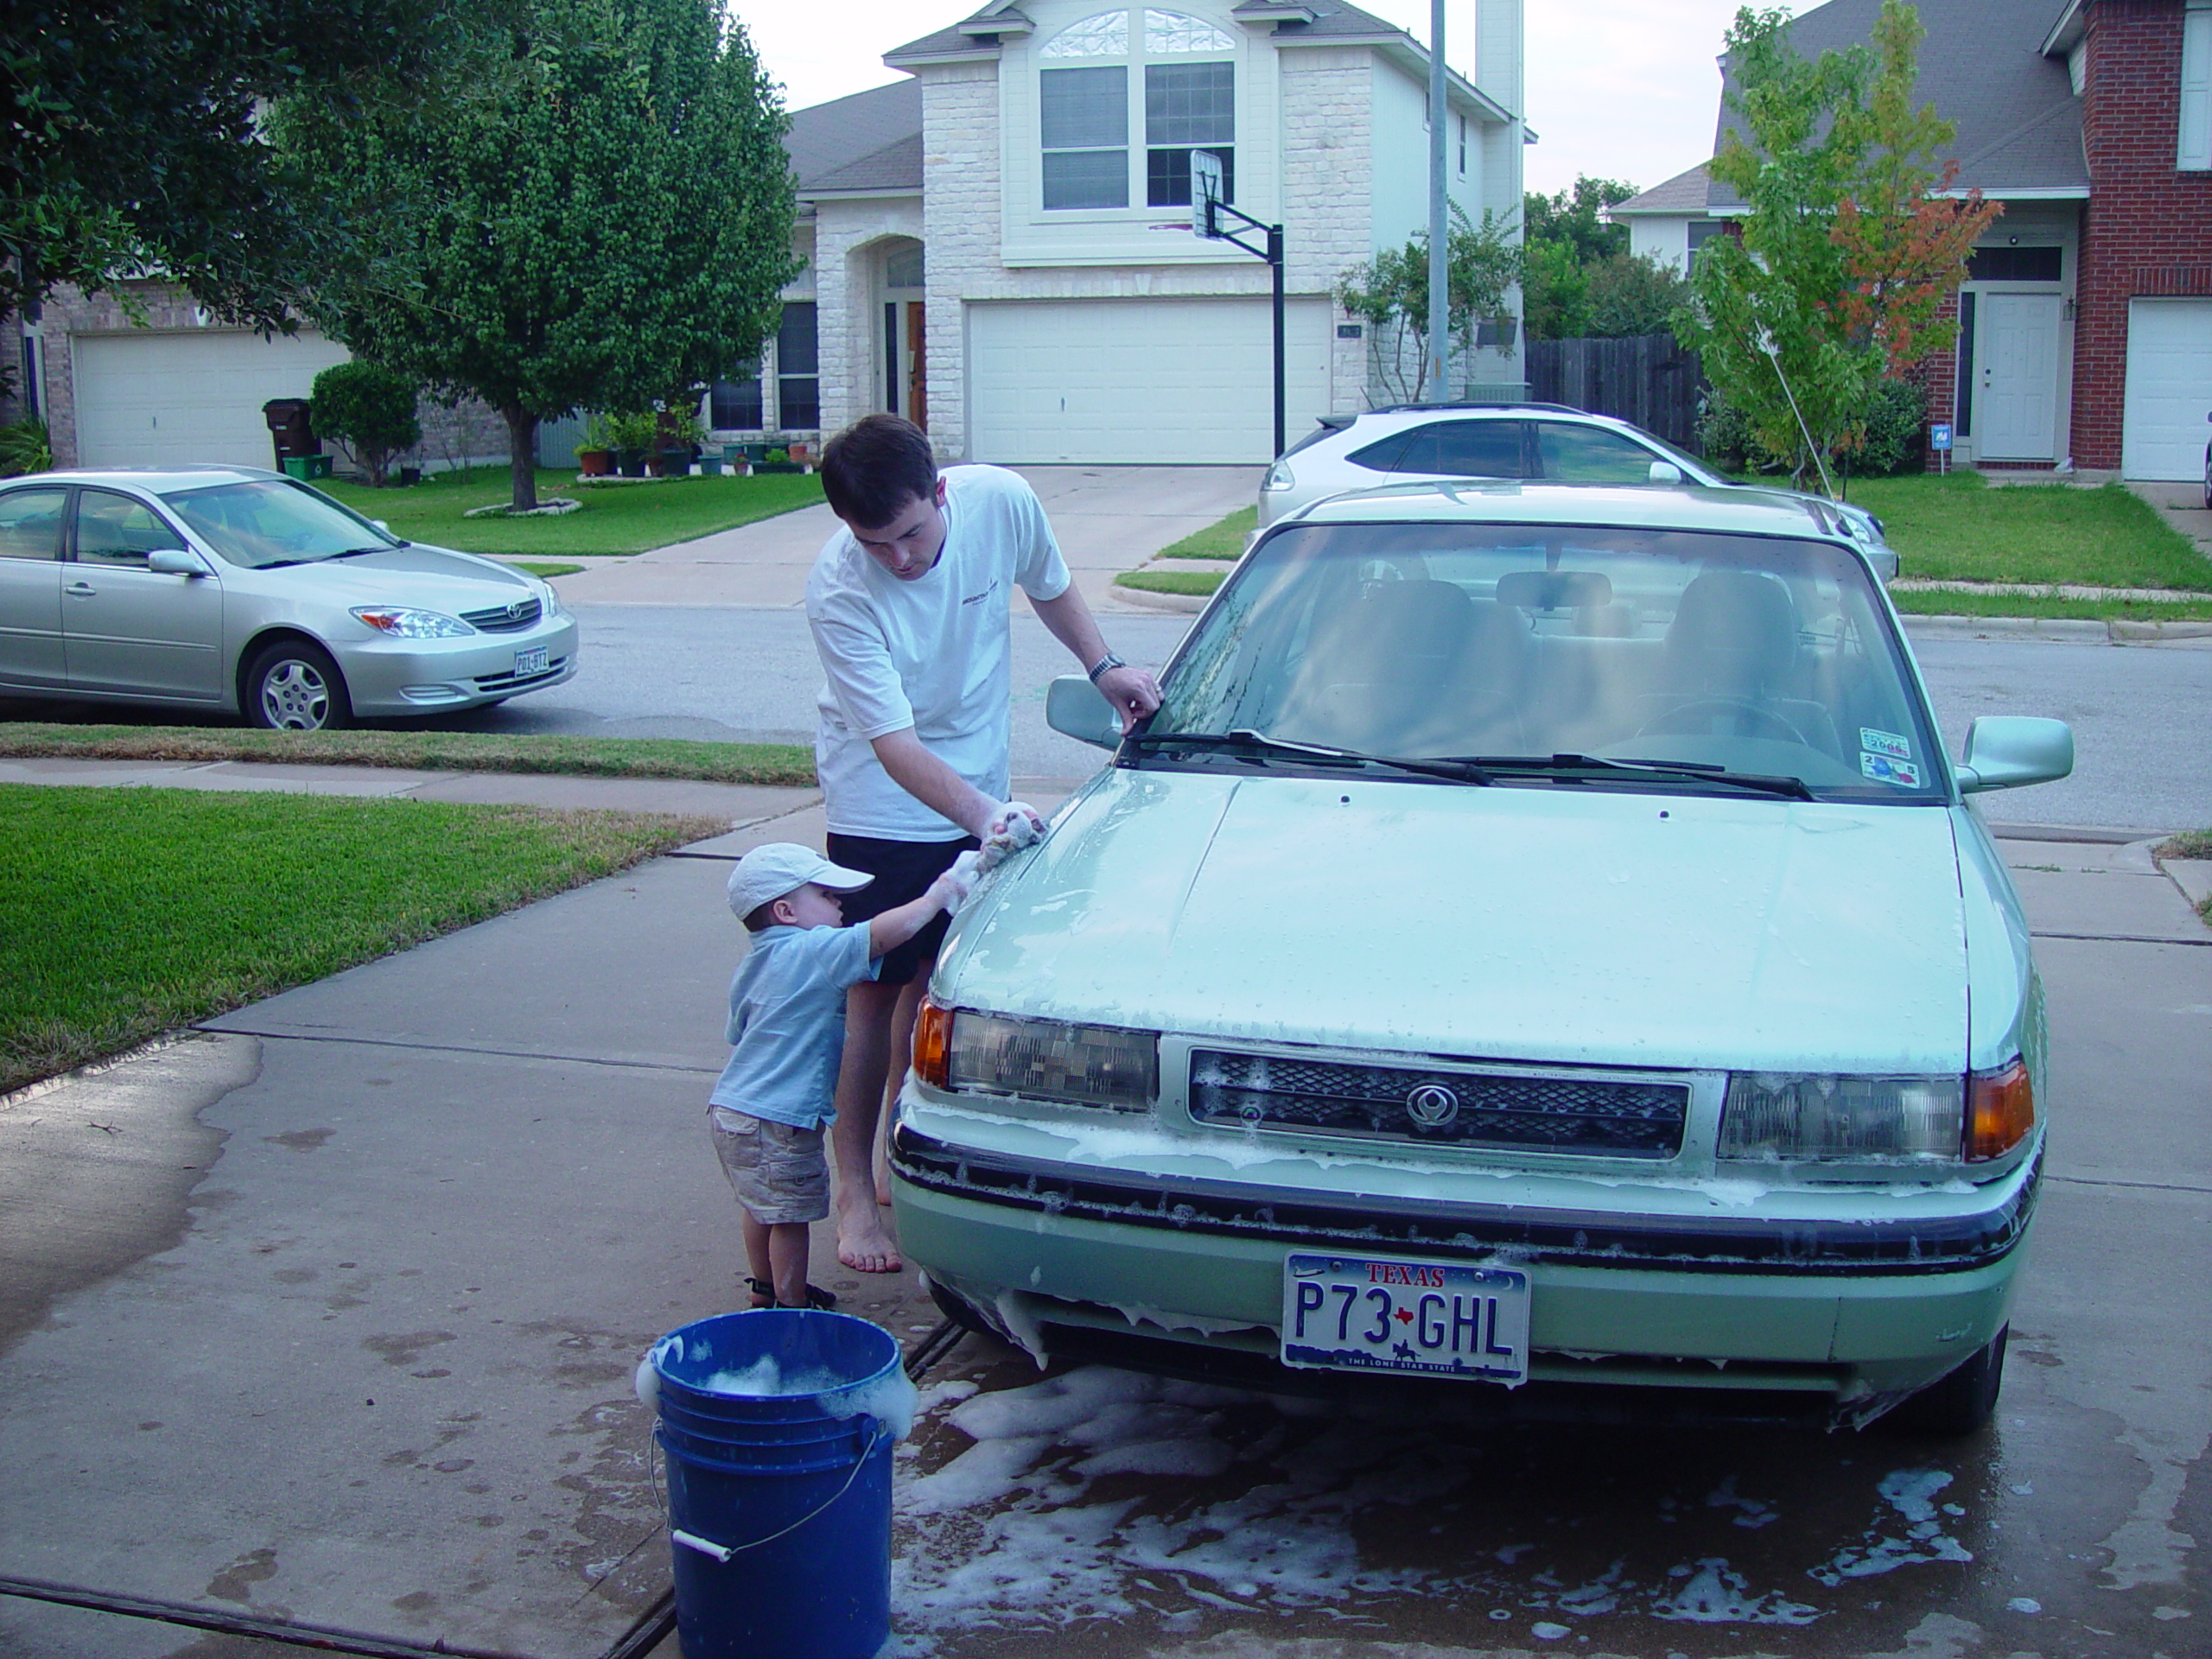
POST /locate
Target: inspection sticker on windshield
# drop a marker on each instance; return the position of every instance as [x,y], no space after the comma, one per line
[1881,769]
[1434,1318]
[1889,743]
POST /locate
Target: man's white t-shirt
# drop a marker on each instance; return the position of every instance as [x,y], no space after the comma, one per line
[933,653]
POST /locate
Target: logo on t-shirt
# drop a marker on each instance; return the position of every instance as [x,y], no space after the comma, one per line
[977,599]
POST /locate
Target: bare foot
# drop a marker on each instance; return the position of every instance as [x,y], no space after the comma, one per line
[864,1246]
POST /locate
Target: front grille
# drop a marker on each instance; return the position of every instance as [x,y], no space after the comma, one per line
[1608,1116]
[505,618]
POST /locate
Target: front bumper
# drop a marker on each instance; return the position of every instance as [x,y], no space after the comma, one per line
[1849,1305]
[385,677]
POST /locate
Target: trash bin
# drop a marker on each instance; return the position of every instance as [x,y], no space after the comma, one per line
[779,1426]
[290,430]
[307,466]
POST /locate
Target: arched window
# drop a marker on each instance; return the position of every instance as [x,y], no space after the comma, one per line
[1089,103]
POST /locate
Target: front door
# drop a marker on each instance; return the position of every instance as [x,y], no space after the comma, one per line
[2018,419]
[126,629]
[917,383]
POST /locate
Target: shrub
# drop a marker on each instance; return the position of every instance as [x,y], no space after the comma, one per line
[370,409]
[636,431]
[1895,432]
[23,447]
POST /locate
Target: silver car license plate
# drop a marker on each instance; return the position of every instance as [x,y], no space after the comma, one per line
[530,662]
[1432,1319]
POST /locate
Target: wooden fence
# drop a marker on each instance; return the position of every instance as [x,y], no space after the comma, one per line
[1646,379]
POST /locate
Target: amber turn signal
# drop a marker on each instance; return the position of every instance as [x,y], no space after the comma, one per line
[2000,1111]
[933,1045]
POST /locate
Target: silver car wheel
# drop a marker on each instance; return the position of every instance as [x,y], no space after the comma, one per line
[295,688]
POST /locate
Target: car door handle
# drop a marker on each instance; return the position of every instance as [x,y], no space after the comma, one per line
[81,590]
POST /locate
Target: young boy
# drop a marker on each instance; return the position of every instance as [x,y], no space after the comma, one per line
[787,1031]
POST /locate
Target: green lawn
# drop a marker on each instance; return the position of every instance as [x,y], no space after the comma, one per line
[627,518]
[1950,601]
[1199,583]
[127,912]
[1222,541]
[589,757]
[1959,527]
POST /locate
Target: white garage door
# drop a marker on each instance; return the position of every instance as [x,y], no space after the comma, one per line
[2169,388]
[157,399]
[1156,381]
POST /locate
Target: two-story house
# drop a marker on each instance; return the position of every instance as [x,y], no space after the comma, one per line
[2085,320]
[1000,247]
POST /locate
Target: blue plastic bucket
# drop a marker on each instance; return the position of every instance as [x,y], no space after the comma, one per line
[779,1426]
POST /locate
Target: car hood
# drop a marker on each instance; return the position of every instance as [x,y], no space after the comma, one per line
[1549,923]
[428,576]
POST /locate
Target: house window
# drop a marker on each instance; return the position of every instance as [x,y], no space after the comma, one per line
[2009,264]
[2195,148]
[1087,109]
[1462,146]
[798,369]
[792,363]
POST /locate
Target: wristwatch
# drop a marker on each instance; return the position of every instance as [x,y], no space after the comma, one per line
[1105,664]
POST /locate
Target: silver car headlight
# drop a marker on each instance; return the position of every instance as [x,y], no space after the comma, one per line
[1279,476]
[550,600]
[401,623]
[1819,1117]
[960,1049]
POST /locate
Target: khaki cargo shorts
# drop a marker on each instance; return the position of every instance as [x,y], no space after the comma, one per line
[781,1174]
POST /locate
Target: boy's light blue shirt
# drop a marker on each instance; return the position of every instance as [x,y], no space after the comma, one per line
[787,1022]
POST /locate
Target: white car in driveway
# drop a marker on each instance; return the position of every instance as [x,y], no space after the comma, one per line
[236,591]
[1540,939]
[1546,443]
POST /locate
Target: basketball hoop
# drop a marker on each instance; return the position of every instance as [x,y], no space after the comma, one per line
[1205,195]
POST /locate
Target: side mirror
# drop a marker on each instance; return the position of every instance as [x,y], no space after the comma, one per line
[381,525]
[1665,472]
[1076,709]
[2010,751]
[176,562]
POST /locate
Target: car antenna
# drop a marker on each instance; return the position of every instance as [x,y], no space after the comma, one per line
[1764,341]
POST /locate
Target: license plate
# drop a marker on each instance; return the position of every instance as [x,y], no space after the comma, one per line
[530,662]
[1430,1318]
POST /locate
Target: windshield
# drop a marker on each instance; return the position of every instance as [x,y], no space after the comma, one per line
[1766,657]
[262,524]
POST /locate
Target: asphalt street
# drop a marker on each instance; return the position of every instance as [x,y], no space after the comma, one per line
[2143,742]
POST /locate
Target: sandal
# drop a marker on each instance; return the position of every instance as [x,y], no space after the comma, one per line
[763,1295]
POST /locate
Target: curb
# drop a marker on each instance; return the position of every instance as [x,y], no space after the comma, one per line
[1187,604]
[2117,630]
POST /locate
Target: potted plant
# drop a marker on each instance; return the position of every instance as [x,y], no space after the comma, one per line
[778,460]
[596,456]
[676,441]
[631,437]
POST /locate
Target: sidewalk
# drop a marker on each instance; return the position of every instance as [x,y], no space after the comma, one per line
[326,1313]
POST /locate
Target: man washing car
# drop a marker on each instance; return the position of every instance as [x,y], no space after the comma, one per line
[908,604]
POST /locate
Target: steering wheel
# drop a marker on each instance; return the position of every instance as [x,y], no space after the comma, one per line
[1753,719]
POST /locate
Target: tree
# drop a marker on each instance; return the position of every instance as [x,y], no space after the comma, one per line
[1390,293]
[370,409]
[133,144]
[1634,293]
[1846,256]
[1575,217]
[597,215]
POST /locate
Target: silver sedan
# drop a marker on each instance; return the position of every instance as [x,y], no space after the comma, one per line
[243,592]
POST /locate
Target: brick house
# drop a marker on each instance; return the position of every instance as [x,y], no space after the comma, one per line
[999,246]
[2086,321]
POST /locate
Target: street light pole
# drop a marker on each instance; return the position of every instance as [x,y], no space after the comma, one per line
[1437,372]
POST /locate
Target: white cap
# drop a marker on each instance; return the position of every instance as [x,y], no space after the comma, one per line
[768,873]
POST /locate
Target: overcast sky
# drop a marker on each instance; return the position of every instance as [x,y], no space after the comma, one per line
[1619,89]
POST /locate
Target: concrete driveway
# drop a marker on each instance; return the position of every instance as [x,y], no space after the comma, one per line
[322,1322]
[1108,519]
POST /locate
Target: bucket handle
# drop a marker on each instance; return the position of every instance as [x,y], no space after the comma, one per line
[725,1553]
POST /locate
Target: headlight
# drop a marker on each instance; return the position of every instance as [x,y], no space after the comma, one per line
[1798,1117]
[1042,1060]
[550,600]
[403,624]
[1279,476]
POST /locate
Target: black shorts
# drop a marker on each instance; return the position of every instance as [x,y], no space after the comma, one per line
[903,871]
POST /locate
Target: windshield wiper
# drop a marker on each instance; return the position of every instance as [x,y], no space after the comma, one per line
[1704,772]
[356,552]
[1258,747]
